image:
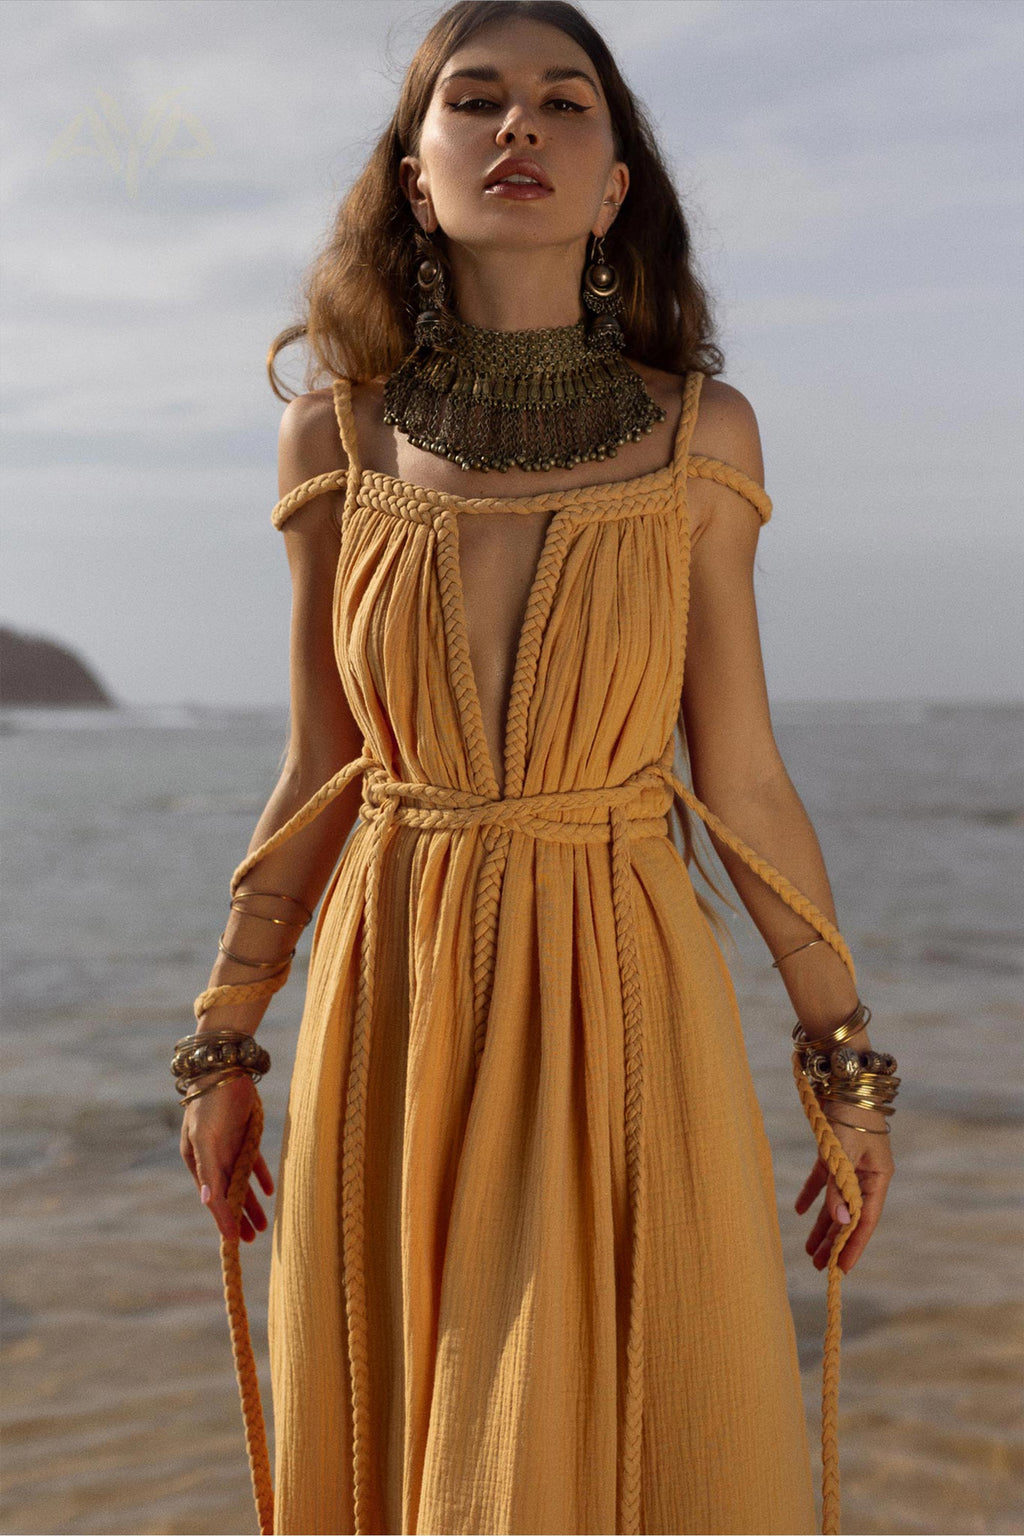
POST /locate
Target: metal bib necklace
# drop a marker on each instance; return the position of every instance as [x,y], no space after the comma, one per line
[535,400]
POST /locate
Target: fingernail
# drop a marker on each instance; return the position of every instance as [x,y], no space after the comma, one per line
[204,1194]
[842,1213]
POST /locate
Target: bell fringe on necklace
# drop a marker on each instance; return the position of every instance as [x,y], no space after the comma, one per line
[544,399]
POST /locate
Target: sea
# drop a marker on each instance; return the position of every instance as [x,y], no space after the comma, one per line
[120,1409]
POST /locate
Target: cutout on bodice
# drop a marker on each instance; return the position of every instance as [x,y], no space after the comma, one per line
[500,554]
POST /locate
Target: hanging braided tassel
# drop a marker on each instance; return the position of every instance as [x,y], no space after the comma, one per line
[241,1343]
[842,1170]
[829,1147]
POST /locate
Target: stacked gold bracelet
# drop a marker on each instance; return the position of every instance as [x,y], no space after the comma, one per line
[838,1072]
[236,1050]
[232,1052]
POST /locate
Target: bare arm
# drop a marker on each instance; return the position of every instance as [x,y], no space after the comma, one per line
[736,764]
[738,771]
[324,736]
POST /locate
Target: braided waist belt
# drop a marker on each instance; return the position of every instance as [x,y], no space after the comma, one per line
[643,803]
[615,814]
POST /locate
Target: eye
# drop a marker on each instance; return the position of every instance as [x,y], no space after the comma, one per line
[472,103]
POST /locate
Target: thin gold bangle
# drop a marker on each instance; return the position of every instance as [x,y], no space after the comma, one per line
[260,964]
[796,951]
[284,922]
[226,1077]
[854,1022]
[862,1100]
[281,896]
[867,1129]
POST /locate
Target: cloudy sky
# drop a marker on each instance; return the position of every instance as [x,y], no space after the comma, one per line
[852,171]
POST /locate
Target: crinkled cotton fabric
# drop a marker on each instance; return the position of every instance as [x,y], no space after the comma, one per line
[526,1270]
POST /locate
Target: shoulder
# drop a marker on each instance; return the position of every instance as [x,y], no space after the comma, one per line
[309,442]
[726,428]
[309,445]
[664,388]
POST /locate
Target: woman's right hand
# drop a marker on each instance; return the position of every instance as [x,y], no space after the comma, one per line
[872,1160]
[213,1131]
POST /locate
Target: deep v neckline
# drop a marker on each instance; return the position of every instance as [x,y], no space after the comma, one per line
[540,596]
[564,505]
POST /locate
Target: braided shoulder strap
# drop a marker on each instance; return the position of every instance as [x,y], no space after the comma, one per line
[332,480]
[700,466]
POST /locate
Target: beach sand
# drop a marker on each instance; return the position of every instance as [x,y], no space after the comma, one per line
[121,1412]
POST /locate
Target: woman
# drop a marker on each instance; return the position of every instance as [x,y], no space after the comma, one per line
[526,1270]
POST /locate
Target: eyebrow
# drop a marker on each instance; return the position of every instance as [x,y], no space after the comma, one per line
[556,74]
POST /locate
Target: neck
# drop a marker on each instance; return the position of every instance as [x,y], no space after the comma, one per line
[517,290]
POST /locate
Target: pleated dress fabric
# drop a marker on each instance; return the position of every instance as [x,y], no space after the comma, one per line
[526,1269]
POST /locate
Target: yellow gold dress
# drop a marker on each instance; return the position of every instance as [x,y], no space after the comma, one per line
[526,1270]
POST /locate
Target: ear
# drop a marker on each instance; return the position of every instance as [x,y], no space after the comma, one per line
[614,196]
[413,182]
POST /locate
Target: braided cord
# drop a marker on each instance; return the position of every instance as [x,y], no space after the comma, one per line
[829,1148]
[331,480]
[238,1323]
[241,1343]
[702,467]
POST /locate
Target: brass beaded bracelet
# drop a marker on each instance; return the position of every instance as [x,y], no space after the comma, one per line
[210,1049]
[840,1074]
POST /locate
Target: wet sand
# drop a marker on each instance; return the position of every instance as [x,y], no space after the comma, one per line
[121,1412]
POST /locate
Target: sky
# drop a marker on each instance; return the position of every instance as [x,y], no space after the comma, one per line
[852,174]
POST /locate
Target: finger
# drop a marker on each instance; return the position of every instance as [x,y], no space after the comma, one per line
[851,1250]
[821,1225]
[822,1234]
[871,1210]
[263,1173]
[836,1205]
[813,1183]
[824,1250]
[255,1211]
[845,1261]
[215,1183]
[819,1258]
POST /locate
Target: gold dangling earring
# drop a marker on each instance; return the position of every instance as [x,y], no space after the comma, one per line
[602,296]
[434,325]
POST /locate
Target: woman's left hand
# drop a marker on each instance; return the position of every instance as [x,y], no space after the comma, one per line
[872,1160]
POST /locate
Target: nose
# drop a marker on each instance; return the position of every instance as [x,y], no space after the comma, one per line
[518,127]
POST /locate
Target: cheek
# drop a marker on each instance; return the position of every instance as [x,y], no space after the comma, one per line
[594,156]
[454,152]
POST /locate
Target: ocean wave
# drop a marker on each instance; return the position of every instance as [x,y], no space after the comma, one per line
[44,717]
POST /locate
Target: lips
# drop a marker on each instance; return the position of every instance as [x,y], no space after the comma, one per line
[526,173]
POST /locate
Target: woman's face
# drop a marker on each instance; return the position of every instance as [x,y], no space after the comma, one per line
[518,90]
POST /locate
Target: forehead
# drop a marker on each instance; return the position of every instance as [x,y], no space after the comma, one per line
[524,49]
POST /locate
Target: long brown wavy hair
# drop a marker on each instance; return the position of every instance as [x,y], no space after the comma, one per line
[358,294]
